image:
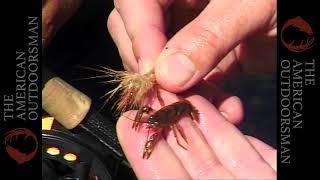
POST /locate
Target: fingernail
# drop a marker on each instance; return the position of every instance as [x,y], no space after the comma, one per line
[177,69]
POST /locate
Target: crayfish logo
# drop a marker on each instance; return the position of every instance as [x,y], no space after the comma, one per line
[297,35]
[16,142]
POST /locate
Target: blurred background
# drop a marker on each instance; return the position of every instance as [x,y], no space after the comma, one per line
[258,94]
[84,41]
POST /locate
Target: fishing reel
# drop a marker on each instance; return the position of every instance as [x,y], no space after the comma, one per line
[72,155]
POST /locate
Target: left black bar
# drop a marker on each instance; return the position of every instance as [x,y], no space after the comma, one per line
[20,92]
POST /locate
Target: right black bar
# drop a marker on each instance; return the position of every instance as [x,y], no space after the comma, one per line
[298,88]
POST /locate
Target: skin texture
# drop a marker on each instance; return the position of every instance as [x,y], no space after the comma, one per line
[216,149]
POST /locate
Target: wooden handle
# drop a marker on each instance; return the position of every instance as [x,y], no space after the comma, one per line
[68,105]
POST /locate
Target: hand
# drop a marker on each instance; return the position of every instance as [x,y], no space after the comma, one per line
[54,15]
[216,149]
[190,40]
[216,36]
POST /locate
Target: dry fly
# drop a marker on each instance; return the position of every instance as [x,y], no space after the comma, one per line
[133,89]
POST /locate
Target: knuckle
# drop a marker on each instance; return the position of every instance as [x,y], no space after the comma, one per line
[249,160]
[205,37]
[207,166]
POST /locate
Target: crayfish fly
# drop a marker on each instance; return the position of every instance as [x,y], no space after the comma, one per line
[166,117]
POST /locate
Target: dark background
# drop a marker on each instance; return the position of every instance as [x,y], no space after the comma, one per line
[14,32]
[84,41]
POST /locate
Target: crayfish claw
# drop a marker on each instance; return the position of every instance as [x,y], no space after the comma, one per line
[146,155]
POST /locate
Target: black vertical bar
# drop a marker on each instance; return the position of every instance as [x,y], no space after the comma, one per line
[298,87]
[20,92]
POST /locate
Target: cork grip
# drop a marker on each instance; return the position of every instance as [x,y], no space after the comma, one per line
[68,105]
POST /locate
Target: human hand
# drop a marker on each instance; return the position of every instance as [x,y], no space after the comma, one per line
[187,41]
[54,14]
[217,36]
[216,149]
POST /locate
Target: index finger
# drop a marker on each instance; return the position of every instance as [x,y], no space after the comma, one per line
[145,24]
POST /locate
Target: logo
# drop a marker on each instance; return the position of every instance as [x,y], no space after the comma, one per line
[297,35]
[16,142]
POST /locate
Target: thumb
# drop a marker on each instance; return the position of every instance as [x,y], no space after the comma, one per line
[197,48]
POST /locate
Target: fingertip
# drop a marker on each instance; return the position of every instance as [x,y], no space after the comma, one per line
[175,72]
[165,83]
[124,129]
[232,109]
[131,141]
[228,105]
[121,127]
